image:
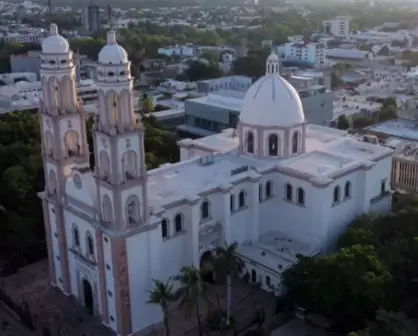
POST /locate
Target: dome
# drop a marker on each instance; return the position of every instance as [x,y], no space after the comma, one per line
[55,43]
[272,101]
[112,53]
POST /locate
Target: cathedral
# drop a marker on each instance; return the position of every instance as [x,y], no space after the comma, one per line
[275,185]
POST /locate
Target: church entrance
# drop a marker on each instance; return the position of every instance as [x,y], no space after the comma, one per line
[206,265]
[88,296]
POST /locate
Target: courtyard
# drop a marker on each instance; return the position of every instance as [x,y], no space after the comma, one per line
[53,310]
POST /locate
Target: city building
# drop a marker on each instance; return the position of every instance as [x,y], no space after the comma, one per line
[402,136]
[307,52]
[187,50]
[338,27]
[90,17]
[35,36]
[220,108]
[277,186]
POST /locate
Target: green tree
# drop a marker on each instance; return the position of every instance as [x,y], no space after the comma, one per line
[146,103]
[347,286]
[342,122]
[198,70]
[162,294]
[192,289]
[228,262]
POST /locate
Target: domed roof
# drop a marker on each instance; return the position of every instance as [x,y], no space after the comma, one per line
[55,43]
[112,52]
[271,100]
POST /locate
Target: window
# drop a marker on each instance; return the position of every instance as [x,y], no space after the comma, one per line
[336,194]
[250,142]
[301,196]
[273,145]
[289,192]
[253,276]
[268,281]
[295,142]
[204,209]
[232,201]
[347,189]
[178,222]
[269,192]
[76,237]
[241,199]
[164,228]
[260,193]
[90,246]
[383,187]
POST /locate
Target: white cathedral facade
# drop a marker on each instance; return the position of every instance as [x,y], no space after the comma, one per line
[275,185]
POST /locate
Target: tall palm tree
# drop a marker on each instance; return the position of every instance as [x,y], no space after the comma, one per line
[192,287]
[162,294]
[229,263]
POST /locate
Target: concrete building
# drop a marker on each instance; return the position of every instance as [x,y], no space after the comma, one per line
[338,27]
[306,52]
[278,187]
[236,83]
[90,17]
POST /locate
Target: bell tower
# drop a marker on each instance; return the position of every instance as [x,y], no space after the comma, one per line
[120,170]
[64,144]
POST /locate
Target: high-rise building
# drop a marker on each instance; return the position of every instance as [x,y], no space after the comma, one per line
[339,27]
[90,17]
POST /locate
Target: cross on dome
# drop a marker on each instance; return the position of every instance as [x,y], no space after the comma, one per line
[111,37]
[272,64]
[53,29]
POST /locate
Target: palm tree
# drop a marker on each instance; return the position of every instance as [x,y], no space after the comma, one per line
[146,103]
[229,263]
[192,287]
[162,294]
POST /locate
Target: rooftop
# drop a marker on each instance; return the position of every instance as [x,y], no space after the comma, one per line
[329,151]
[400,128]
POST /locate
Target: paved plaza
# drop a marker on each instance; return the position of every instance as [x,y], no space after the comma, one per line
[50,308]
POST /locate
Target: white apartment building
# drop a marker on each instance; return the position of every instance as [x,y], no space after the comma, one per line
[313,53]
[34,37]
[178,50]
[339,27]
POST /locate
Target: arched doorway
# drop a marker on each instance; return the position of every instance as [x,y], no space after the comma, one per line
[88,296]
[206,265]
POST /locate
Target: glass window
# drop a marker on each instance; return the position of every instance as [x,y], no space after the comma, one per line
[295,142]
[250,142]
[241,199]
[289,192]
[273,145]
[178,222]
[205,210]
[164,228]
[76,237]
[336,194]
[269,192]
[301,196]
[347,189]
[90,245]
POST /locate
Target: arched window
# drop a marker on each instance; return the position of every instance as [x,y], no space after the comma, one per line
[301,196]
[260,193]
[76,236]
[178,222]
[250,142]
[205,211]
[107,209]
[90,245]
[132,210]
[288,192]
[129,165]
[295,142]
[52,182]
[273,145]
[253,276]
[49,143]
[241,199]
[336,194]
[347,189]
[269,191]
[104,165]
[72,143]
[164,228]
[232,201]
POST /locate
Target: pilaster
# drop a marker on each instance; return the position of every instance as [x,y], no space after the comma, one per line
[122,296]
[194,210]
[226,213]
[102,276]
[254,206]
[49,237]
[63,250]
